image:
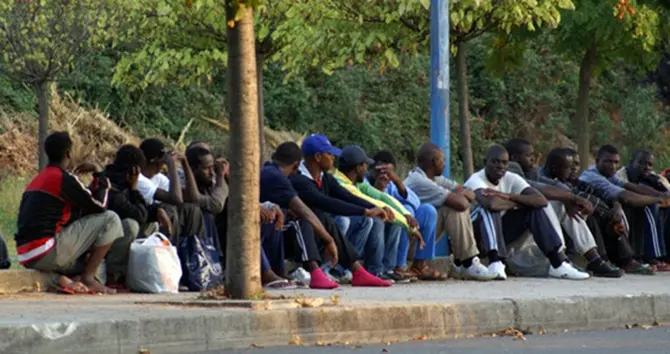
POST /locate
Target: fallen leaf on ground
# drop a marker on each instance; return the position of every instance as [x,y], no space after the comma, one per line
[255,346]
[335,299]
[310,302]
[144,351]
[295,341]
[646,326]
[384,351]
[421,338]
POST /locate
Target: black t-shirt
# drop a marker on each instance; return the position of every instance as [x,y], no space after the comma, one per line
[275,186]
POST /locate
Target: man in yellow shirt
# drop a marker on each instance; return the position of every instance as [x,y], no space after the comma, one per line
[351,171]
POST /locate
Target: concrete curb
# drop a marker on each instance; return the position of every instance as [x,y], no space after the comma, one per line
[19,280]
[365,323]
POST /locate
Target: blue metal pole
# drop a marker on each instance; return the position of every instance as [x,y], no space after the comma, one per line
[439,82]
[439,91]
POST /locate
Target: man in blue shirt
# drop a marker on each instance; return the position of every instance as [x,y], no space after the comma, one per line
[382,175]
[639,201]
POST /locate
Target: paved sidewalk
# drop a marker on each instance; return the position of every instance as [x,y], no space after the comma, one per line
[46,323]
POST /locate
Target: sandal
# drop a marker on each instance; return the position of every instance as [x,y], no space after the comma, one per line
[639,268]
[280,284]
[428,274]
[406,273]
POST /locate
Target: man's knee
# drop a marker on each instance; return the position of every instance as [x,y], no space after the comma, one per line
[426,211]
[111,225]
[131,228]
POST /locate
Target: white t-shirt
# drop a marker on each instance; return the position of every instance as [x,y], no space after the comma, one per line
[148,187]
[511,183]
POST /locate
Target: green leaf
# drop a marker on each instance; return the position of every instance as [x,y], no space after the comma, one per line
[425,4]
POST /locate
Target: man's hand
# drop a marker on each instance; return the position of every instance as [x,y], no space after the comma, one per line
[412,221]
[330,251]
[488,192]
[390,216]
[221,167]
[416,234]
[585,207]
[133,177]
[279,217]
[164,220]
[389,171]
[267,215]
[375,213]
[87,167]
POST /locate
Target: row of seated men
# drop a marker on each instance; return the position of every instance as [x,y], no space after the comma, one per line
[327,209]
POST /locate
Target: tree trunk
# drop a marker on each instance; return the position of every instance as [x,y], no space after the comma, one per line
[42,92]
[463,110]
[243,247]
[260,60]
[582,116]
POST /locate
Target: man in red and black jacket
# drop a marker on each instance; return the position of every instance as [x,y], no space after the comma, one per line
[61,221]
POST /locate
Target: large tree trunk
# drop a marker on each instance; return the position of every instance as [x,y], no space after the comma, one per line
[42,92]
[582,115]
[463,110]
[260,60]
[243,250]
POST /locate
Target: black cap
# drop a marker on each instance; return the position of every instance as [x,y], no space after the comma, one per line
[353,155]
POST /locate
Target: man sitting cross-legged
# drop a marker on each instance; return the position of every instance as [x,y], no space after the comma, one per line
[570,209]
[317,233]
[61,224]
[382,175]
[507,207]
[452,202]
[609,229]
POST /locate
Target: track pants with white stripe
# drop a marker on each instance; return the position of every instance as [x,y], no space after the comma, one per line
[646,232]
[494,231]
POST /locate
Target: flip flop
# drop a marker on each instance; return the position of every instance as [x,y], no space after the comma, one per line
[279,284]
[70,291]
[428,274]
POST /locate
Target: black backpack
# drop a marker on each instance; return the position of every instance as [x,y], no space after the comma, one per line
[4,256]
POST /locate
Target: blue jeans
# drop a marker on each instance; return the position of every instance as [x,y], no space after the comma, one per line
[371,238]
[426,216]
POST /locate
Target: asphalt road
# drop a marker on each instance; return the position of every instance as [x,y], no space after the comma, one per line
[620,341]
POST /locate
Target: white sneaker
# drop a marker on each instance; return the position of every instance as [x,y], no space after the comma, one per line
[301,275]
[478,272]
[498,269]
[567,271]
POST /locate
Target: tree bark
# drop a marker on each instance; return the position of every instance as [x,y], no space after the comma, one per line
[243,250]
[581,122]
[42,92]
[260,60]
[463,109]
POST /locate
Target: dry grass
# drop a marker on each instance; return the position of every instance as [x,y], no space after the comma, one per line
[11,189]
[95,136]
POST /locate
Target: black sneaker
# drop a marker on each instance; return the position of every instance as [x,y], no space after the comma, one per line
[398,278]
[387,277]
[603,269]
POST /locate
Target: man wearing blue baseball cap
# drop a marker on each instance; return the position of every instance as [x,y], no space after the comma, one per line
[324,195]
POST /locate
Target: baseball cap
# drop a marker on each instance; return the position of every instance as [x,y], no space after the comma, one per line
[317,143]
[354,155]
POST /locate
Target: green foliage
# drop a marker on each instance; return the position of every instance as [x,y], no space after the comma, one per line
[633,36]
[331,34]
[471,18]
[40,39]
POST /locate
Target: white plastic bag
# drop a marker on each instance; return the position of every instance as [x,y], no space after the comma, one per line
[525,258]
[153,266]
